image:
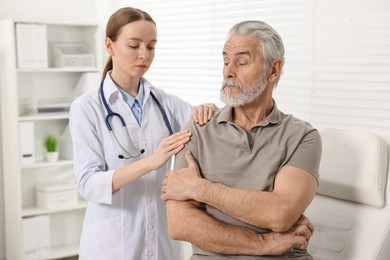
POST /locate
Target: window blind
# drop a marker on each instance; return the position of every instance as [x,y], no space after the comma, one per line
[337,70]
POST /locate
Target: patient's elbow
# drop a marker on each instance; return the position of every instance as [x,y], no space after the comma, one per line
[284,220]
[176,227]
[281,227]
[175,232]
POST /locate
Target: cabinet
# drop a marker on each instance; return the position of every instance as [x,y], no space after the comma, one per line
[22,88]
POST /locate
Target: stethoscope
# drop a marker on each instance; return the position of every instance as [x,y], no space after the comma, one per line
[111,114]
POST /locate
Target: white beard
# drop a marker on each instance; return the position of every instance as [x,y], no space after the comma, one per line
[245,96]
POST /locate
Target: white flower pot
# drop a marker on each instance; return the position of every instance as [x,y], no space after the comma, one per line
[51,157]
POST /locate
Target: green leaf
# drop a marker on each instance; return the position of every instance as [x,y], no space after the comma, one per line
[51,143]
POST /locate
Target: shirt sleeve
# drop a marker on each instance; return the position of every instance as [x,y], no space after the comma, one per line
[307,155]
[192,146]
[94,182]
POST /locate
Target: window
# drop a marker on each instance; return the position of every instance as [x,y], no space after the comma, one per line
[337,71]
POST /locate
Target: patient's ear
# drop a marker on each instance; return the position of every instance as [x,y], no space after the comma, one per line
[276,68]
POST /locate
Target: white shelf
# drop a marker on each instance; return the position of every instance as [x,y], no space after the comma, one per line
[43,164]
[45,116]
[68,69]
[63,251]
[19,86]
[34,211]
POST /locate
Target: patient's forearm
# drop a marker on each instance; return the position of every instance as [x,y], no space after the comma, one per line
[188,223]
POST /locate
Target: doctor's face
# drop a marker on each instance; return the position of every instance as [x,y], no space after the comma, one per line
[133,51]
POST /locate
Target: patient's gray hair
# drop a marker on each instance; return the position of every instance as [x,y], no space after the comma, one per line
[270,43]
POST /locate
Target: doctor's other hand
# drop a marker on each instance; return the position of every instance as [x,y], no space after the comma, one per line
[183,184]
[168,147]
[203,113]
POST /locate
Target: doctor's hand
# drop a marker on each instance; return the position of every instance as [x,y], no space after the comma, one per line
[168,147]
[203,113]
[183,184]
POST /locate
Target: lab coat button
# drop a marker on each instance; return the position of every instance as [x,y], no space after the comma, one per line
[150,226]
[150,253]
[149,198]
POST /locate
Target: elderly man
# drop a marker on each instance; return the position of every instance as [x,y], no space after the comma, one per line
[241,185]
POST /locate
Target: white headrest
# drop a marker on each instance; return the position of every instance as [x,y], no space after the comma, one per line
[354,166]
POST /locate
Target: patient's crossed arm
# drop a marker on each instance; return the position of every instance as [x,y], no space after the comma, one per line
[189,222]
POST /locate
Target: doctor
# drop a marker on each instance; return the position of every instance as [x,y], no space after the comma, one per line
[124,136]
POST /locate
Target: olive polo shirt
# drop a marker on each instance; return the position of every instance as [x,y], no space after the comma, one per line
[229,155]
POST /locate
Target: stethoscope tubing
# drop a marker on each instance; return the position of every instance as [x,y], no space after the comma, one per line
[111,114]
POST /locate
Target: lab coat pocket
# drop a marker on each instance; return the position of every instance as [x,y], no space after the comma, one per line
[102,240]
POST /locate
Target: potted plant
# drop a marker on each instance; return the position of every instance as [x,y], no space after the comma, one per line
[51,145]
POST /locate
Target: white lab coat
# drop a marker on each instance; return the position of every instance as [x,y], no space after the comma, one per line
[130,223]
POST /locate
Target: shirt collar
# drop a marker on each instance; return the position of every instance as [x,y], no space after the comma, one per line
[129,99]
[111,91]
[274,117]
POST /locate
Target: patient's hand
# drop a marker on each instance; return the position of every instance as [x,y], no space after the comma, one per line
[297,237]
[182,184]
[303,220]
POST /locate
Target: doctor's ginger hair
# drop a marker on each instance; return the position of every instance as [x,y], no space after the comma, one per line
[119,19]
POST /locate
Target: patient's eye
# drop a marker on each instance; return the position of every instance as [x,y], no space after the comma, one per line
[242,62]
